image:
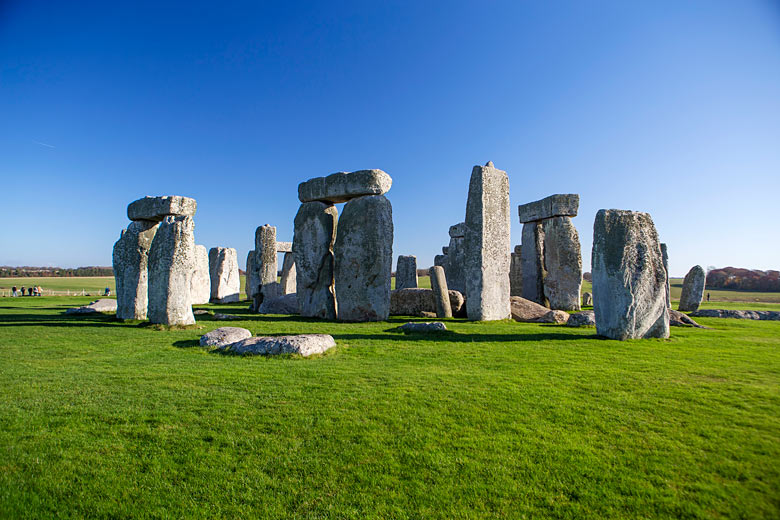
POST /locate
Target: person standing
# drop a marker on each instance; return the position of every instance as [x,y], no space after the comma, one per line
[14,293]
[29,291]
[22,290]
[40,291]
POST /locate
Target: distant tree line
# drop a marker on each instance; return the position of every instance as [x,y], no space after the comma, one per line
[30,272]
[743,279]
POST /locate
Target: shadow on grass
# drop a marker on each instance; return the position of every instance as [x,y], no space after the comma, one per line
[457,337]
[187,343]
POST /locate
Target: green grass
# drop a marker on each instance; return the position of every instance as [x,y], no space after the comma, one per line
[717,296]
[91,284]
[101,419]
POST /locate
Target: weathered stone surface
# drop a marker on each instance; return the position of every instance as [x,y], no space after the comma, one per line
[692,289]
[445,250]
[224,336]
[440,292]
[665,257]
[679,319]
[103,305]
[629,279]
[406,272]
[440,260]
[225,279]
[532,260]
[587,299]
[343,186]
[423,327]
[582,319]
[303,344]
[285,304]
[516,273]
[415,302]
[740,315]
[315,234]
[364,259]
[218,316]
[171,263]
[252,284]
[157,208]
[201,312]
[289,277]
[458,230]
[284,247]
[562,264]
[555,316]
[561,205]
[266,261]
[487,245]
[200,283]
[527,311]
[455,265]
[130,260]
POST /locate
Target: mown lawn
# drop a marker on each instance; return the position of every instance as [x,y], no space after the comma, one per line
[100,419]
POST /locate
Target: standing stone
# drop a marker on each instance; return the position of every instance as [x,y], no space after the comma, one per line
[587,299]
[315,234]
[487,244]
[225,279]
[200,285]
[454,265]
[440,260]
[266,262]
[532,260]
[562,264]
[406,272]
[252,282]
[440,292]
[629,280]
[130,259]
[171,263]
[289,275]
[364,259]
[516,273]
[665,255]
[692,290]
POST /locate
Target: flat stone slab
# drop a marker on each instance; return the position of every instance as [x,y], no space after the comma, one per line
[157,208]
[561,205]
[740,315]
[302,344]
[226,317]
[101,305]
[343,186]
[582,319]
[415,301]
[285,304]
[224,336]
[531,312]
[423,327]
[680,319]
[284,247]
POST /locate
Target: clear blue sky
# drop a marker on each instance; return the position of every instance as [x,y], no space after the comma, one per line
[661,106]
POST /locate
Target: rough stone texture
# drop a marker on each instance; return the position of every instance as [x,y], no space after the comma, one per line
[423,327]
[440,260]
[285,304]
[130,260]
[562,264]
[629,279]
[171,263]
[487,245]
[102,305]
[284,247]
[679,319]
[561,205]
[225,279]
[582,319]
[555,316]
[445,250]
[364,259]
[225,317]
[587,299]
[289,275]
[266,262]
[303,344]
[200,283]
[315,234]
[740,315]
[454,265]
[528,311]
[692,289]
[252,275]
[157,208]
[406,272]
[343,186]
[224,336]
[458,230]
[532,260]
[516,273]
[415,302]
[440,292]
[665,257]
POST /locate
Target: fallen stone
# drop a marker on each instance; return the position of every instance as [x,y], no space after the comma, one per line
[284,247]
[343,186]
[131,269]
[440,292]
[225,278]
[735,314]
[527,311]
[423,327]
[201,312]
[103,305]
[171,263]
[285,304]
[302,344]
[587,299]
[582,319]
[555,316]
[315,234]
[200,283]
[414,302]
[562,264]
[226,317]
[224,336]
[679,319]
[561,205]
[692,289]
[157,208]
[406,272]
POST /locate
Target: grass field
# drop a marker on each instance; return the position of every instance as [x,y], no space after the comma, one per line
[102,419]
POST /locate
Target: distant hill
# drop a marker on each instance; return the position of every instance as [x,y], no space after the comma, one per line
[28,271]
[743,279]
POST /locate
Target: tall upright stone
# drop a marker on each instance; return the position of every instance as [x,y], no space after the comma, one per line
[130,260]
[200,284]
[454,265]
[171,264]
[629,279]
[288,279]
[266,261]
[406,272]
[532,260]
[364,259]
[487,244]
[562,264]
[315,235]
[516,272]
[225,279]
[252,283]
[665,255]
[441,294]
[692,289]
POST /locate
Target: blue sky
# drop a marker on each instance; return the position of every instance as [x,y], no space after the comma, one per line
[667,107]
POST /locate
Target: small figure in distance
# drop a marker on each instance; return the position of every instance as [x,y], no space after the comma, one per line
[107,292]
[708,297]
[35,290]
[40,291]
[14,292]
[29,291]
[22,290]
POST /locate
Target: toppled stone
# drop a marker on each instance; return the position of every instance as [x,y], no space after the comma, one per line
[284,247]
[201,312]
[225,279]
[289,278]
[131,263]
[343,186]
[171,263]
[285,304]
[582,319]
[561,205]
[587,299]
[562,264]
[315,234]
[225,317]
[440,292]
[302,344]
[679,319]
[414,302]
[555,316]
[692,289]
[406,272]
[200,283]
[103,305]
[740,315]
[423,327]
[224,336]
[157,208]
[527,311]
